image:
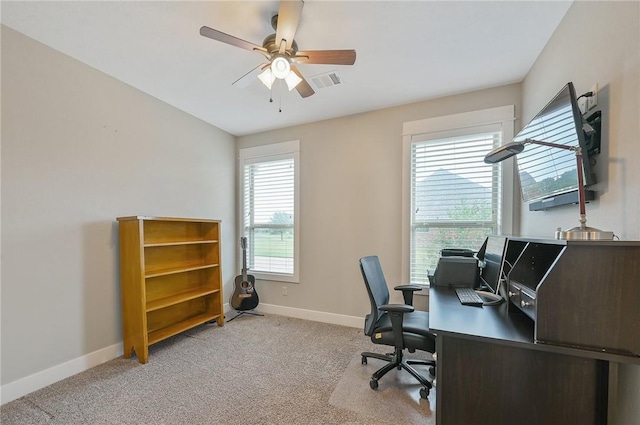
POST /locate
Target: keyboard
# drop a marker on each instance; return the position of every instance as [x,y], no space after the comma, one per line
[468,296]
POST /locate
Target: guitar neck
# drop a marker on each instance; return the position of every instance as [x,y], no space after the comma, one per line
[244,265]
[243,243]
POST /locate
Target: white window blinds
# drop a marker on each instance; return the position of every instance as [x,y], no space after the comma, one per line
[270,215]
[455,196]
[269,210]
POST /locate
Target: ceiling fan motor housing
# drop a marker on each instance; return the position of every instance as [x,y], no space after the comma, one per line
[272,47]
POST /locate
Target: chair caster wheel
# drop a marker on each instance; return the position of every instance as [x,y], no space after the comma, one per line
[373,384]
[424,393]
[364,360]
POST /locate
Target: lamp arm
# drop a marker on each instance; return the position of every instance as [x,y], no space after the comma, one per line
[553,145]
[582,232]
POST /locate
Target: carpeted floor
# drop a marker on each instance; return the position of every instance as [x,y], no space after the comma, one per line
[254,370]
[396,401]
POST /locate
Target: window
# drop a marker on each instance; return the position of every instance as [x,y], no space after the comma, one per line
[269,205]
[454,199]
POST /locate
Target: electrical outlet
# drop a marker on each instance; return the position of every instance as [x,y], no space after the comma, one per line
[284,291]
[592,101]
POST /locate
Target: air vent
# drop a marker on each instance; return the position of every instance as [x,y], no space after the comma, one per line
[328,79]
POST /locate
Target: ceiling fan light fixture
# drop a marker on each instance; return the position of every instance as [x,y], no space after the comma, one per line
[267,77]
[280,67]
[292,80]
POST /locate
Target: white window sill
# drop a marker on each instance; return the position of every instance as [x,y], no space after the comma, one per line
[276,277]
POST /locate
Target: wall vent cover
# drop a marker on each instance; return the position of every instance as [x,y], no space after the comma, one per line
[327,79]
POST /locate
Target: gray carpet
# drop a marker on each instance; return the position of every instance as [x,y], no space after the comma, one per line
[254,370]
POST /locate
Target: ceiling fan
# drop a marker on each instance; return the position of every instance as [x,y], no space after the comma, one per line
[281,50]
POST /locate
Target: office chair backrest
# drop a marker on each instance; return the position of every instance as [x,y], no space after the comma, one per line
[376,287]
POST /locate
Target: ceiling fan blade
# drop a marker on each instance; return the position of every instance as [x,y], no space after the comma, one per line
[327,57]
[229,39]
[303,87]
[248,78]
[288,19]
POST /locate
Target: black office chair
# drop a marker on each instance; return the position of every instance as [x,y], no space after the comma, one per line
[396,325]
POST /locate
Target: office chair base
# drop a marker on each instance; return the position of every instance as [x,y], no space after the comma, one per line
[431,363]
[424,392]
[396,361]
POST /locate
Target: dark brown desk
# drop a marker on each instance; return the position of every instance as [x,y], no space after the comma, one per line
[491,372]
[549,355]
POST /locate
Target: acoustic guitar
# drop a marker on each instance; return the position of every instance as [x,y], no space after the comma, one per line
[245,296]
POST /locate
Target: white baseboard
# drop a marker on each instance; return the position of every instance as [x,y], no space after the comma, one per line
[316,316]
[21,387]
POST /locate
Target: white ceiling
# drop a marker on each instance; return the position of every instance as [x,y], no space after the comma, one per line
[407,51]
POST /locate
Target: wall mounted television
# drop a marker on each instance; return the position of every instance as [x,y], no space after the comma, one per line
[548,176]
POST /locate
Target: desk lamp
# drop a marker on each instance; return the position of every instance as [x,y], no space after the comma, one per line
[582,232]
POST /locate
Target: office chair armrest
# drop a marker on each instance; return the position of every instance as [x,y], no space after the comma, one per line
[397,311]
[397,308]
[407,292]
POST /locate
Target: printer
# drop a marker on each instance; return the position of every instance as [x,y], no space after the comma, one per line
[457,268]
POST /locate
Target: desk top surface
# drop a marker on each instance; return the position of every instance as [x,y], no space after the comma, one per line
[447,315]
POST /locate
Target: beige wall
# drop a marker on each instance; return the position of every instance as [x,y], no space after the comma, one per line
[351,199]
[598,42]
[79,149]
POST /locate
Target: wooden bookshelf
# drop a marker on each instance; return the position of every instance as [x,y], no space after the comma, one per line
[170,277]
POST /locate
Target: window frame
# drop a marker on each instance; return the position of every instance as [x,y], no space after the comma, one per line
[432,128]
[265,153]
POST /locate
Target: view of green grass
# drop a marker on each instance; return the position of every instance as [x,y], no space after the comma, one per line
[268,243]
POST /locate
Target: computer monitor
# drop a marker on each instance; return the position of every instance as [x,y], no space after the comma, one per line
[492,261]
